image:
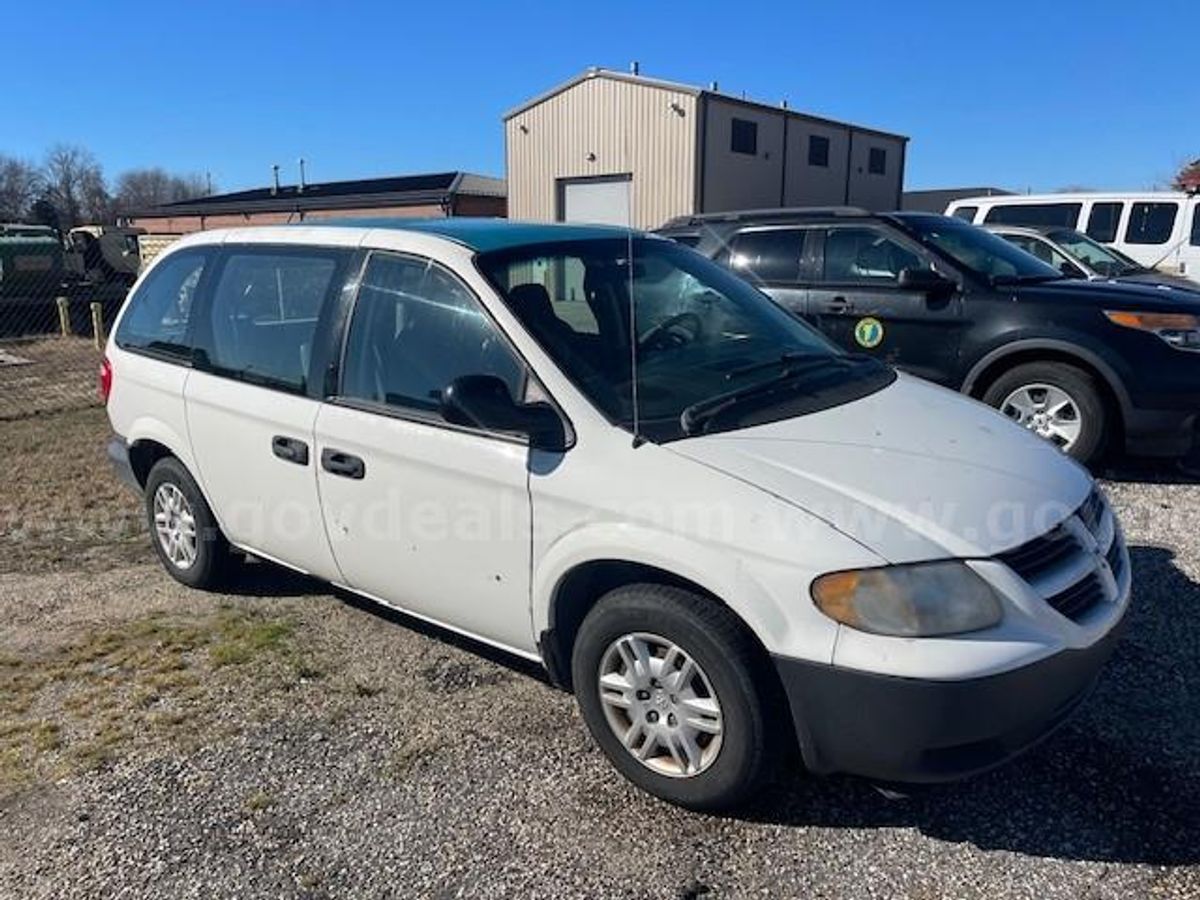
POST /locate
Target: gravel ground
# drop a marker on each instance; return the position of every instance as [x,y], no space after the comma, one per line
[284,741]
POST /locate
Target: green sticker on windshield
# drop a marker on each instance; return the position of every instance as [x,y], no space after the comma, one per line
[869,332]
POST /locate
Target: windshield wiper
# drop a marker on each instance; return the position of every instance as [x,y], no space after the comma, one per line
[784,359]
[693,419]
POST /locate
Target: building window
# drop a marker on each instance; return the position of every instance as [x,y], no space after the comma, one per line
[1151,223]
[745,137]
[877,161]
[1102,221]
[818,151]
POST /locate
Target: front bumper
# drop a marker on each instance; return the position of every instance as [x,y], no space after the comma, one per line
[907,730]
[118,456]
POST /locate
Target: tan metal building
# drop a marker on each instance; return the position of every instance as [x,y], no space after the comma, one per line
[434,195]
[621,148]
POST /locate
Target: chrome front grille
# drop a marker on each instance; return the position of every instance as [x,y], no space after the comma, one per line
[1076,566]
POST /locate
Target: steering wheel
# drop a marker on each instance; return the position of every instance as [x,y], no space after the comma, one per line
[675,331]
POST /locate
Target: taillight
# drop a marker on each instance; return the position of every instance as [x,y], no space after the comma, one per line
[104,381]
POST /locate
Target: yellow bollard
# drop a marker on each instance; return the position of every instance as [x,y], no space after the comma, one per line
[98,325]
[64,316]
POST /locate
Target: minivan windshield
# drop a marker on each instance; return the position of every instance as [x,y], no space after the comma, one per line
[978,250]
[712,353]
[1100,259]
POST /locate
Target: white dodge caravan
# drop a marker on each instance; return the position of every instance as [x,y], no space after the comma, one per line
[598,450]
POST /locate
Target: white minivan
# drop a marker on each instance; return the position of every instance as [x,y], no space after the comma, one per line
[595,449]
[1158,230]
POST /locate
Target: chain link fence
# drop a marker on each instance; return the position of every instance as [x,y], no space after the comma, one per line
[55,312]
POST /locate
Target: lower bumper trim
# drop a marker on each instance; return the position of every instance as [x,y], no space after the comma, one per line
[904,730]
[118,456]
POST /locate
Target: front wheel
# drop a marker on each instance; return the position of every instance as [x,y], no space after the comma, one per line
[674,691]
[1055,401]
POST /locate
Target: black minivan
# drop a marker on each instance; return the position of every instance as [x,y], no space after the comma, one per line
[1089,366]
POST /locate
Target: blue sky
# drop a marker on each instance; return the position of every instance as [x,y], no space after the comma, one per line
[1019,95]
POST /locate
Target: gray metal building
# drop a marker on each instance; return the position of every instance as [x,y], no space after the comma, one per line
[621,148]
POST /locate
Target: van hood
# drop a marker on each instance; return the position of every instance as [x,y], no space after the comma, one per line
[912,472]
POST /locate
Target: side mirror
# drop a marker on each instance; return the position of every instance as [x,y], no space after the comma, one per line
[484,401]
[927,282]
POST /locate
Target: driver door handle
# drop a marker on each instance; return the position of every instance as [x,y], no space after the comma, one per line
[840,306]
[335,462]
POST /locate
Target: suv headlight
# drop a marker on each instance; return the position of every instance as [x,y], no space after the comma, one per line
[921,600]
[1180,330]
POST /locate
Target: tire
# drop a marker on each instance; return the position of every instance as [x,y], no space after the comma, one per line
[1012,391]
[732,671]
[171,490]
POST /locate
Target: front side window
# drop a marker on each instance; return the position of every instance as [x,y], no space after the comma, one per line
[415,329]
[1095,256]
[1102,221]
[865,256]
[697,331]
[265,307]
[818,151]
[158,315]
[771,255]
[976,249]
[744,138]
[1041,249]
[1151,223]
[1061,215]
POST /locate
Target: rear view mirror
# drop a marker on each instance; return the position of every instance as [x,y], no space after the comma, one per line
[927,281]
[484,401]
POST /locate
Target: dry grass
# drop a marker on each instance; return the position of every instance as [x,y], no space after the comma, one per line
[61,506]
[88,701]
[61,375]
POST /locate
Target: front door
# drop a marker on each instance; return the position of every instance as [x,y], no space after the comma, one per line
[249,409]
[855,299]
[427,516]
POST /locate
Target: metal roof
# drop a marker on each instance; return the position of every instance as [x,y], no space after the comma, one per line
[402,190]
[693,90]
[486,235]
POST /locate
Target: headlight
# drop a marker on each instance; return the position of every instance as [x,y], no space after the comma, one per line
[1180,330]
[909,601]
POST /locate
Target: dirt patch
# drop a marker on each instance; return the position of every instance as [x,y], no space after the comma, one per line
[62,508]
[60,374]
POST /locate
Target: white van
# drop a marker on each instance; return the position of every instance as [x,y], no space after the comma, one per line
[724,534]
[1158,230]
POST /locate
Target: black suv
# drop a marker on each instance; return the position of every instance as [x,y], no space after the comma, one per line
[1086,365]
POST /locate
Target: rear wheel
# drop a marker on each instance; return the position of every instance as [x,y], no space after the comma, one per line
[184,531]
[674,691]
[1056,401]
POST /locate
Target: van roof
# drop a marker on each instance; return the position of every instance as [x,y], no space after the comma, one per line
[1074,197]
[483,235]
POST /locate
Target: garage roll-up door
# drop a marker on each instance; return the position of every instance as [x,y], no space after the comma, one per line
[601,201]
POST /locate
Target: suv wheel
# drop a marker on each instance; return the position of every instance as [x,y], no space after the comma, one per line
[673,689]
[1056,401]
[182,527]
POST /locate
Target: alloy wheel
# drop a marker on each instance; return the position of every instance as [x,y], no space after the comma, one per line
[1046,410]
[660,705]
[175,526]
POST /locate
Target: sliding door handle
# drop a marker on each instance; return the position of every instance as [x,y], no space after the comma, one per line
[335,462]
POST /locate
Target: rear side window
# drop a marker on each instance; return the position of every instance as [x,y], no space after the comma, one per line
[770,256]
[966,213]
[415,329]
[159,313]
[1065,215]
[1196,226]
[1102,221]
[265,307]
[865,256]
[1151,223]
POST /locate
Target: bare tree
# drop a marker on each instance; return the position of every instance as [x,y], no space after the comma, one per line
[140,189]
[20,184]
[1188,177]
[74,184]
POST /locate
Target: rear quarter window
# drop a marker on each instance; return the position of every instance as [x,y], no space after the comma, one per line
[158,317]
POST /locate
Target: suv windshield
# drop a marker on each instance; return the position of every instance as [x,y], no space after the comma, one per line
[712,352]
[978,250]
[1094,255]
